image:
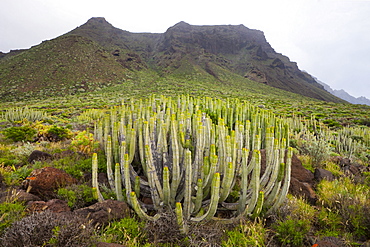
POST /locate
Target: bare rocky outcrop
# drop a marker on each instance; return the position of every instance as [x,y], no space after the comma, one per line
[302,181]
[43,182]
[103,212]
[54,205]
[321,174]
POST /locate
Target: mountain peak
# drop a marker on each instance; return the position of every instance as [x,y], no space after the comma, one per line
[182,23]
[98,22]
[97,19]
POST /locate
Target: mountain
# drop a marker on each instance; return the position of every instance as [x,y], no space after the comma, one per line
[96,55]
[345,96]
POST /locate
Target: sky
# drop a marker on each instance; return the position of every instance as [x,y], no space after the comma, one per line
[330,39]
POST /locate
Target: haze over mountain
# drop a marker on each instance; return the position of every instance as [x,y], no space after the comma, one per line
[97,55]
[344,95]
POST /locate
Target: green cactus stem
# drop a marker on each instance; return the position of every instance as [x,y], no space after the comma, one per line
[140,212]
[215,196]
[118,182]
[95,183]
[180,219]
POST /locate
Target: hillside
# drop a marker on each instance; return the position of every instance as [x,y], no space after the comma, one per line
[97,55]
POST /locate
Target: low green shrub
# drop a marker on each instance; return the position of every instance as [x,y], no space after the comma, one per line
[77,196]
[9,213]
[56,133]
[350,201]
[22,133]
[246,234]
[330,223]
[127,231]
[292,232]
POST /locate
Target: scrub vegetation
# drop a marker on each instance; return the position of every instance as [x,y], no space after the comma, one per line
[204,143]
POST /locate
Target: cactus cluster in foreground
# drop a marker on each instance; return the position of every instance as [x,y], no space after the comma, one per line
[197,156]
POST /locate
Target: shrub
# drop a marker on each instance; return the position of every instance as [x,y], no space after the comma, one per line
[330,223]
[318,149]
[246,234]
[13,176]
[293,221]
[22,133]
[52,133]
[292,232]
[349,200]
[49,229]
[77,196]
[85,143]
[10,212]
[127,231]
[56,133]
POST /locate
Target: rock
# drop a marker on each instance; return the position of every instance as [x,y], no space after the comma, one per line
[103,212]
[301,182]
[301,173]
[321,174]
[38,156]
[54,205]
[302,189]
[351,170]
[344,162]
[18,195]
[43,182]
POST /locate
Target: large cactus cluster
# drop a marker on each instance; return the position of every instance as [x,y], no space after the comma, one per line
[201,157]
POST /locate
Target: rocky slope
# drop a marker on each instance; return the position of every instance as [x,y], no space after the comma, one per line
[97,55]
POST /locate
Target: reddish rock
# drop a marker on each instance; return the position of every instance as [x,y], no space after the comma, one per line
[54,205]
[301,173]
[45,181]
[302,189]
[102,212]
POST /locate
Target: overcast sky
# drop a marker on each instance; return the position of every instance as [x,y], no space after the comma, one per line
[330,39]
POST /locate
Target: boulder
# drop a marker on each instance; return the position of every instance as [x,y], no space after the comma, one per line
[43,182]
[103,212]
[54,205]
[18,195]
[302,189]
[301,173]
[321,174]
[38,156]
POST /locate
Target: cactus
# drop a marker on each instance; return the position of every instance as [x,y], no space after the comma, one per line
[173,151]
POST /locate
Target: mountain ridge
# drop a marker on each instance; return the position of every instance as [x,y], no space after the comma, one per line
[341,93]
[211,53]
